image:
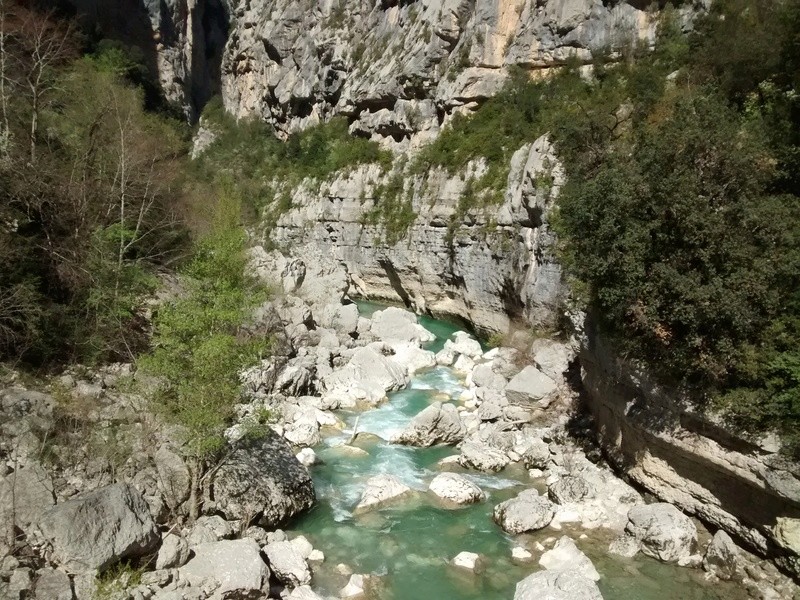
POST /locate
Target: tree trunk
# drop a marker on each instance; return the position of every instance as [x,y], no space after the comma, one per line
[195,492]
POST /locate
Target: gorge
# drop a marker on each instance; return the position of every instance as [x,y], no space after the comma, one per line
[421,155]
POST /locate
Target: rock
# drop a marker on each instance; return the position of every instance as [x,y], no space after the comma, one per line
[355,588]
[436,424]
[209,529]
[456,489]
[464,344]
[303,592]
[569,488]
[307,457]
[261,479]
[528,511]
[316,556]
[664,532]
[787,534]
[412,357]
[565,556]
[531,388]
[557,585]
[341,317]
[98,528]
[552,358]
[481,457]
[25,494]
[52,585]
[174,552]
[380,491]
[173,477]
[520,554]
[537,455]
[235,565]
[723,557]
[624,545]
[288,563]
[19,584]
[367,377]
[256,533]
[397,324]
[469,561]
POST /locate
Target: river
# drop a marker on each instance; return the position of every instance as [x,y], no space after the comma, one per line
[410,543]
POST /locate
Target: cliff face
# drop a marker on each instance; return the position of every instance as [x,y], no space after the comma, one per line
[398,69]
[489,268]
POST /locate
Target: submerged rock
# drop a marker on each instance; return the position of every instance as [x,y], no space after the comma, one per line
[436,424]
[380,491]
[456,489]
[664,532]
[557,585]
[98,528]
[528,511]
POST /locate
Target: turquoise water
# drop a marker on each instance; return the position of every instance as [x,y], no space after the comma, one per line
[410,544]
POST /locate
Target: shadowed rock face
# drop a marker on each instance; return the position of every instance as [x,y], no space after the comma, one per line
[261,481]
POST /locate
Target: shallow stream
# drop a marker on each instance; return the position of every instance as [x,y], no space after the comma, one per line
[409,544]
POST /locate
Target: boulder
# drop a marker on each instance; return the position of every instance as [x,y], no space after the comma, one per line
[25,494]
[557,585]
[565,556]
[469,561]
[288,563]
[723,557]
[569,488]
[261,479]
[380,491]
[412,357]
[367,376]
[464,344]
[537,455]
[356,587]
[436,424]
[530,388]
[307,457]
[664,532]
[234,565]
[401,325]
[528,511]
[551,357]
[174,552]
[96,529]
[52,585]
[479,456]
[341,317]
[174,479]
[456,489]
[304,592]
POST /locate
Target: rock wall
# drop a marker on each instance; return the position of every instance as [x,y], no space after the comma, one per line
[398,69]
[490,268]
[747,489]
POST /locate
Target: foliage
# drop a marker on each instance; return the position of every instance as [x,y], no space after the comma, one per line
[262,167]
[86,216]
[681,217]
[393,210]
[199,344]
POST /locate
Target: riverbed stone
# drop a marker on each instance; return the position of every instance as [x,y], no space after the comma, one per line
[397,324]
[482,457]
[380,491]
[557,585]
[625,545]
[723,557]
[288,563]
[528,511]
[530,388]
[664,532]
[436,424]
[566,556]
[569,488]
[234,565]
[98,528]
[469,561]
[456,489]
